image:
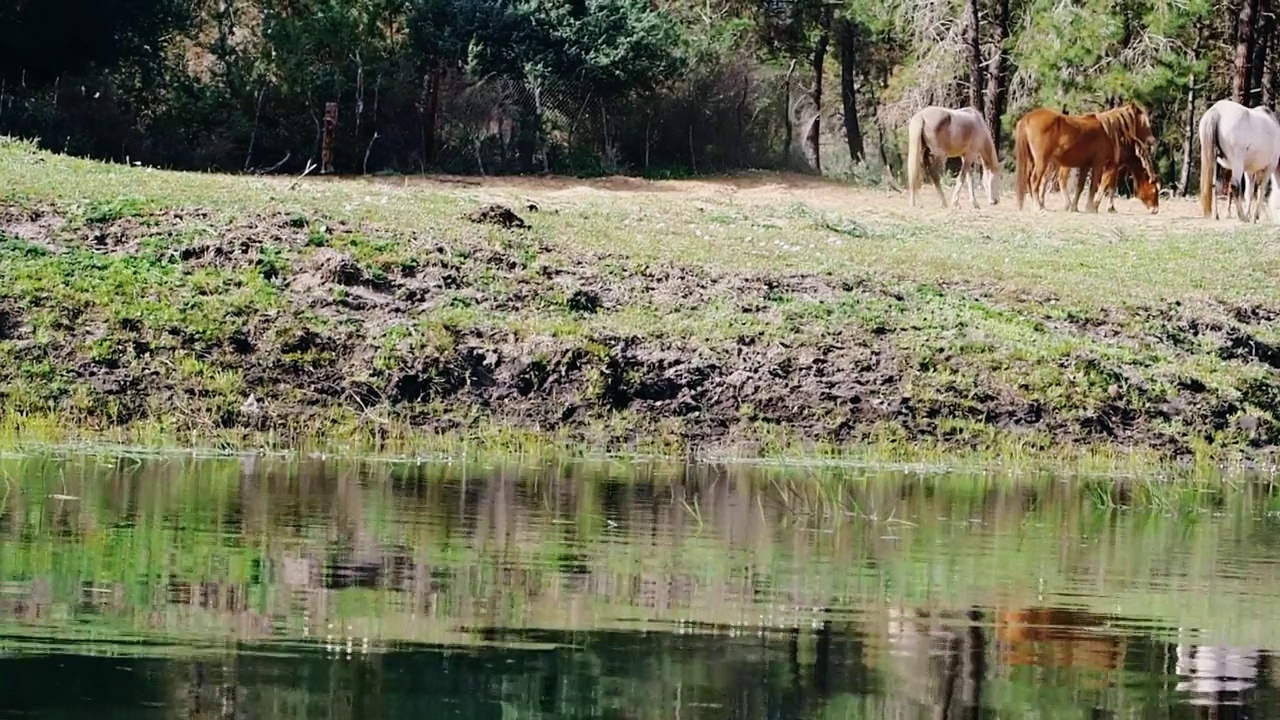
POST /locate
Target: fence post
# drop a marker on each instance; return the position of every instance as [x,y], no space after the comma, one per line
[330,134]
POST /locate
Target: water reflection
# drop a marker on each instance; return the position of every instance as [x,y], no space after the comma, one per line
[1219,676]
[221,589]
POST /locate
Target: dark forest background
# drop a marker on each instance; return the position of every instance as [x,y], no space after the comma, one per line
[654,87]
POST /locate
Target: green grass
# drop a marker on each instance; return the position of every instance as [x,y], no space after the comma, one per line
[979,319]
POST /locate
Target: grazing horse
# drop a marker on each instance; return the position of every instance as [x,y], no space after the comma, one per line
[1249,141]
[1138,164]
[1093,141]
[937,133]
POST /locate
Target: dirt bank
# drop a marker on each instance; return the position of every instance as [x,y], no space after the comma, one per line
[290,324]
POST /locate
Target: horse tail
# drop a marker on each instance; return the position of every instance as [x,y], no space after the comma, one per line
[1208,156]
[1022,160]
[916,152]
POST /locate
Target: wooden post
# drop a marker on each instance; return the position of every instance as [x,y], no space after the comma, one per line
[330,133]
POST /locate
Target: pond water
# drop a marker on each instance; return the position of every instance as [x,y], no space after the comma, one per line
[249,587]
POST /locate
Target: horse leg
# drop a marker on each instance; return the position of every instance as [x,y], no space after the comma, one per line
[1251,188]
[1038,180]
[971,176]
[1264,204]
[1041,189]
[1259,184]
[964,171]
[1071,190]
[1110,180]
[936,166]
[1275,190]
[1095,179]
[1064,186]
[1081,175]
[1245,204]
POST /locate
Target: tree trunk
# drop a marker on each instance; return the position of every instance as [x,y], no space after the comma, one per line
[329,138]
[849,89]
[1265,25]
[1270,77]
[786,116]
[1240,90]
[813,130]
[430,122]
[997,75]
[1188,140]
[975,58]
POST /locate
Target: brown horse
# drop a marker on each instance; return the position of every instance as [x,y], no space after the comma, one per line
[1094,141]
[1133,160]
[1060,637]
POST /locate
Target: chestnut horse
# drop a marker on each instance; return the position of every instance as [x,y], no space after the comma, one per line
[937,133]
[1146,185]
[1249,141]
[1060,637]
[1093,141]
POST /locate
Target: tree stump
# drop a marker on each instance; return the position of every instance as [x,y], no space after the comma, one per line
[330,134]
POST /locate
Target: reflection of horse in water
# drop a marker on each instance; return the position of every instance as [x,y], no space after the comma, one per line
[1058,637]
[1216,677]
[939,660]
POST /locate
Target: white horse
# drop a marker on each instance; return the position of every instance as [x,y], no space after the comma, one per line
[937,133]
[1249,141]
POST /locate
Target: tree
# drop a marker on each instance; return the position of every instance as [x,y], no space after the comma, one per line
[997,74]
[43,39]
[850,47]
[820,44]
[1241,90]
[972,34]
[1262,48]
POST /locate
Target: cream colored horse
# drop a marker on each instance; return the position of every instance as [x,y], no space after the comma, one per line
[937,133]
[1249,141]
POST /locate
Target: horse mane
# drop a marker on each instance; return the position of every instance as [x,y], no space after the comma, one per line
[1123,125]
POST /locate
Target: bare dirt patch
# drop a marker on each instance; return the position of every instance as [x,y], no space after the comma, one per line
[820,193]
[500,215]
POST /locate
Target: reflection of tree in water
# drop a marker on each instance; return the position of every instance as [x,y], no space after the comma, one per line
[210,692]
[648,676]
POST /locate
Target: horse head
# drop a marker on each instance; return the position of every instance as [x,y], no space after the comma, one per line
[1146,181]
[991,178]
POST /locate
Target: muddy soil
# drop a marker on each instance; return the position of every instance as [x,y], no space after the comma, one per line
[373,339]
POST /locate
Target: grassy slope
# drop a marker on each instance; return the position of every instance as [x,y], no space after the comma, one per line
[740,316]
